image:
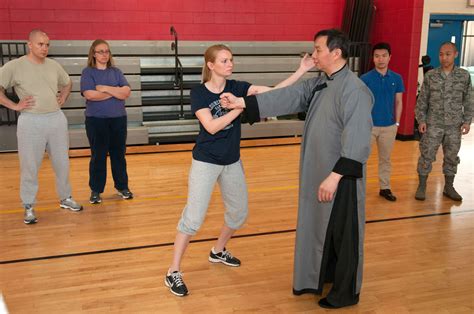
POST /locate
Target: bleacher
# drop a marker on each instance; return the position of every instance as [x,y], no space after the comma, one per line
[159,106]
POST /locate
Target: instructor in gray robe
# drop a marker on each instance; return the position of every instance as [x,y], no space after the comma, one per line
[334,151]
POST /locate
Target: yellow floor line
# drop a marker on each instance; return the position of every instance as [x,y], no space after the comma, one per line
[174,197]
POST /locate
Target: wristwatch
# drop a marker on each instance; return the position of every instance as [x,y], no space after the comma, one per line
[397,123]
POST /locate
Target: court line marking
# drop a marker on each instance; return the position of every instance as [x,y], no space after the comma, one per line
[132,248]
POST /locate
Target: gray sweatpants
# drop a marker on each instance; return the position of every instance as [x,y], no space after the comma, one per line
[37,133]
[202,178]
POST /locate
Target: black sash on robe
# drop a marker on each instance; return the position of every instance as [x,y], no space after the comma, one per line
[341,247]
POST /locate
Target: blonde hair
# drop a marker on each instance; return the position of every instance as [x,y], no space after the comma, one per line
[210,56]
[91,59]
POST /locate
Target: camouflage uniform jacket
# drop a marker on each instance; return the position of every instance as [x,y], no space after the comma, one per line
[445,100]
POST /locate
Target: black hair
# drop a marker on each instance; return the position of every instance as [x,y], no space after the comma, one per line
[335,40]
[382,46]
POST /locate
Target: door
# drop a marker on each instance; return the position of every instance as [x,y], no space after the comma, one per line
[440,31]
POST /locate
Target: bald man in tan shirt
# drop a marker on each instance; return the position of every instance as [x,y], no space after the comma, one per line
[42,86]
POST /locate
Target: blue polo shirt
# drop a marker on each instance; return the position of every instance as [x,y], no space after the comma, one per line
[384,88]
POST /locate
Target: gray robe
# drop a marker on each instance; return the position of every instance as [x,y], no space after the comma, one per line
[338,124]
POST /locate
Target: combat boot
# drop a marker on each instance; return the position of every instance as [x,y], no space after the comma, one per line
[449,190]
[421,190]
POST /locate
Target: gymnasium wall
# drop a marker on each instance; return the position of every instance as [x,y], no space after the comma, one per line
[398,22]
[151,19]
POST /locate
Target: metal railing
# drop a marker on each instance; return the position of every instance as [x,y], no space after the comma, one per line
[359,57]
[10,51]
[357,23]
[178,71]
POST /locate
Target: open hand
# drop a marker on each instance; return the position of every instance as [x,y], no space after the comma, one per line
[61,100]
[25,103]
[306,63]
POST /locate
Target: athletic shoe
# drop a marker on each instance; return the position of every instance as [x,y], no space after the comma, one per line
[30,217]
[175,283]
[70,203]
[125,194]
[224,257]
[387,194]
[95,198]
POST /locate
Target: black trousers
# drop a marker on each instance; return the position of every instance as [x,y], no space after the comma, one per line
[107,135]
[341,248]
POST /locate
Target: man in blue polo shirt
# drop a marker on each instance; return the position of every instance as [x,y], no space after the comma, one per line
[387,87]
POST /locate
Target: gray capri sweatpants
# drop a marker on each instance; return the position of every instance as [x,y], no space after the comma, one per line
[202,178]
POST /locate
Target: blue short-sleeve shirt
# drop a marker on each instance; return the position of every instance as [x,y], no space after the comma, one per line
[222,148]
[384,88]
[108,108]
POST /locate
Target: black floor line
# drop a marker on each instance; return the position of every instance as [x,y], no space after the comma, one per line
[210,239]
[189,149]
[421,216]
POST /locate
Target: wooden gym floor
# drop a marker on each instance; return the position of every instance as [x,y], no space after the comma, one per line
[113,257]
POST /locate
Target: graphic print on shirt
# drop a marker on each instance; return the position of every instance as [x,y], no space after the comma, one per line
[217,111]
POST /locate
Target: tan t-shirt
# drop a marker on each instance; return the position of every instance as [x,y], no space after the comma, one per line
[42,81]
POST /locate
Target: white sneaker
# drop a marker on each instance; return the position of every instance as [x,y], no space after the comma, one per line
[29,217]
[71,204]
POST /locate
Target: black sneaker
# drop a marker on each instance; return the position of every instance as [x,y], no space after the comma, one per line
[126,194]
[224,257]
[388,195]
[175,282]
[95,198]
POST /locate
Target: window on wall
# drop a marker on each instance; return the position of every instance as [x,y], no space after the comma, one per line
[467,50]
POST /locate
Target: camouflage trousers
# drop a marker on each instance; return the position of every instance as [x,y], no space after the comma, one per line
[450,139]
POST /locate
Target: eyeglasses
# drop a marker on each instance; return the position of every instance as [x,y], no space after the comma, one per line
[103,52]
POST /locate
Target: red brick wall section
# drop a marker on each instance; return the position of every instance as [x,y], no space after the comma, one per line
[151,19]
[399,23]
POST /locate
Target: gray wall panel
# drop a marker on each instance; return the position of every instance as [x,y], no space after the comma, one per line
[76,116]
[135,135]
[163,47]
[75,65]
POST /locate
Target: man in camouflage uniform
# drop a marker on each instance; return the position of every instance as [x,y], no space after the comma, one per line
[444,112]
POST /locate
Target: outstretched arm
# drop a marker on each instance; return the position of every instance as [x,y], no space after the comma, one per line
[291,99]
[306,64]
